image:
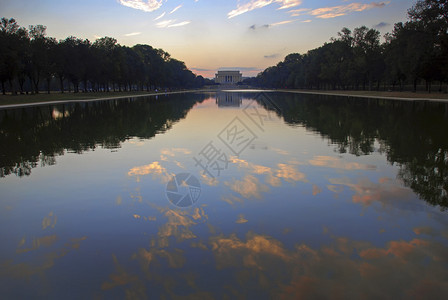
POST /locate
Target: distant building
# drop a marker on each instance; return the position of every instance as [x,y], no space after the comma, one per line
[228,77]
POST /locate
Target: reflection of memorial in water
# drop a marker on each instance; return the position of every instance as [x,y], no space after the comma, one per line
[227,99]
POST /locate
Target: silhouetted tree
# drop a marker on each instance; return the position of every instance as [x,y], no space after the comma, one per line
[101,65]
[416,50]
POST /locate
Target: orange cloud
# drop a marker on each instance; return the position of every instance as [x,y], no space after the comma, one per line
[248,187]
[290,174]
[49,221]
[337,11]
[241,220]
[155,169]
[333,162]
[341,10]
[316,190]
[255,4]
[368,192]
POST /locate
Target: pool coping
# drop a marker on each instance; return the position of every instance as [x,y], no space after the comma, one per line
[22,105]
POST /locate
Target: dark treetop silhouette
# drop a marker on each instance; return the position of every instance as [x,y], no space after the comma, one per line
[28,57]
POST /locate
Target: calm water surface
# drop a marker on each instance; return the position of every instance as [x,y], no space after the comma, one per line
[227,195]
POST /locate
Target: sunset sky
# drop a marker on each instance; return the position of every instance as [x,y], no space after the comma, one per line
[207,35]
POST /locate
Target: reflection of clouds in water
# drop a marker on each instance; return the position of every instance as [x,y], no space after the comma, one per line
[178,225]
[49,221]
[280,151]
[172,151]
[316,190]
[290,174]
[352,268]
[248,187]
[386,192]
[175,258]
[287,172]
[337,163]
[45,257]
[426,230]
[241,219]
[149,218]
[418,267]
[233,252]
[154,169]
[209,180]
[134,287]
[45,241]
[231,199]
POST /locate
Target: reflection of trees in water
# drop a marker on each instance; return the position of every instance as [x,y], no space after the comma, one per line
[411,134]
[29,136]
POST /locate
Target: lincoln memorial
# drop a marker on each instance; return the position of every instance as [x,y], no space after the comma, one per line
[228,77]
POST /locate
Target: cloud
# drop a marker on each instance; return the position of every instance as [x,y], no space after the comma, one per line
[202,69]
[155,169]
[179,24]
[386,193]
[248,187]
[160,16]
[179,225]
[240,68]
[273,177]
[254,4]
[281,23]
[147,6]
[174,9]
[336,163]
[241,220]
[299,12]
[381,25]
[171,23]
[289,3]
[290,174]
[341,10]
[231,251]
[271,56]
[343,267]
[316,190]
[164,24]
[255,27]
[49,221]
[132,34]
[172,151]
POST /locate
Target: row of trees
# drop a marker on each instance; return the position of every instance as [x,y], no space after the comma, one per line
[28,57]
[416,50]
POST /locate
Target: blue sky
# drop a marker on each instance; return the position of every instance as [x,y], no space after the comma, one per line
[210,34]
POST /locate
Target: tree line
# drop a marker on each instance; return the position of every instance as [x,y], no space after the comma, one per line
[416,51]
[30,61]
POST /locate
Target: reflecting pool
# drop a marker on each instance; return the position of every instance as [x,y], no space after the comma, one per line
[225,195]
